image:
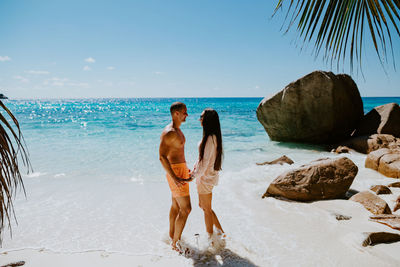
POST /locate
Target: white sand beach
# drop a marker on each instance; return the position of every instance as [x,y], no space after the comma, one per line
[261,232]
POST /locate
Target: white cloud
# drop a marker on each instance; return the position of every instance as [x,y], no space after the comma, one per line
[55,81]
[78,84]
[86,68]
[111,68]
[4,58]
[21,79]
[90,60]
[158,73]
[37,72]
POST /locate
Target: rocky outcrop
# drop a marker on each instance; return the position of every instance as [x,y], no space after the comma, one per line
[372,202]
[321,179]
[383,119]
[320,107]
[282,160]
[3,96]
[380,189]
[375,238]
[393,221]
[368,143]
[385,161]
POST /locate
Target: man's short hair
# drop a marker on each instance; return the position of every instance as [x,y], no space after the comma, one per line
[177,106]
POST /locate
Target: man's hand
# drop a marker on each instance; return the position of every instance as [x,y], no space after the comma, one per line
[185,180]
[179,181]
[191,177]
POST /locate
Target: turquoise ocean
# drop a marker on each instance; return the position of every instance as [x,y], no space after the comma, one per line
[97,183]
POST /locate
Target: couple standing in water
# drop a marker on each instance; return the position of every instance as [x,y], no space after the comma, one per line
[205,171]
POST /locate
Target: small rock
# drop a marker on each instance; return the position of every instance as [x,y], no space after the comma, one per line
[391,220]
[341,217]
[380,189]
[397,205]
[389,164]
[375,238]
[373,158]
[341,149]
[282,160]
[351,192]
[372,202]
[385,161]
[368,143]
[14,264]
[395,184]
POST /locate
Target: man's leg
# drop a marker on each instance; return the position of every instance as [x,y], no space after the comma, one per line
[173,213]
[184,210]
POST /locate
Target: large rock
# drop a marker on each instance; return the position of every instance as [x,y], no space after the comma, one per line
[385,161]
[320,107]
[391,220]
[383,119]
[372,202]
[321,179]
[368,143]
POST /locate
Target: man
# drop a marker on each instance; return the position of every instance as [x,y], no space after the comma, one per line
[172,157]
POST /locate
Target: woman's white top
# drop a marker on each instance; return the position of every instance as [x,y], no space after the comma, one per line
[204,170]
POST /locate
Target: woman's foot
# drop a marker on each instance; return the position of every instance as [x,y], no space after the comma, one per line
[220,233]
[211,239]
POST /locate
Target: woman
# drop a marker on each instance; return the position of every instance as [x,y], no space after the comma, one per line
[207,167]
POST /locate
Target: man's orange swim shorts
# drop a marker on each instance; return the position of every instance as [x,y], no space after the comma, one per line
[182,171]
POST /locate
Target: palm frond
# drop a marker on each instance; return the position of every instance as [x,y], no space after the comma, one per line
[12,146]
[331,23]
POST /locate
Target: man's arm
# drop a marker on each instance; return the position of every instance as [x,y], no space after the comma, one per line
[165,144]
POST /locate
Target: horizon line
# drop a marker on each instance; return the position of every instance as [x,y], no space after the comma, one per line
[164,97]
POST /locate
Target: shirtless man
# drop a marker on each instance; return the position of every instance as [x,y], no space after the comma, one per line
[172,157]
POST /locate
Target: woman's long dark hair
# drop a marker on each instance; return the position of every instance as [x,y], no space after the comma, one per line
[211,126]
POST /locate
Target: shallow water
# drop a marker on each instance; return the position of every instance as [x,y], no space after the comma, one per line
[98,184]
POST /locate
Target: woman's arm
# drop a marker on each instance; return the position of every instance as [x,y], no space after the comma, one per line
[209,151]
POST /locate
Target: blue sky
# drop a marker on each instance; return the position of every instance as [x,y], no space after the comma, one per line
[149,48]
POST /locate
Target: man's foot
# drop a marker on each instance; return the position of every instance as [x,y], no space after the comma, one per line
[181,248]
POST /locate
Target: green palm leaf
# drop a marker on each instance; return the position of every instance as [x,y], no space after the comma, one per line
[337,27]
[11,145]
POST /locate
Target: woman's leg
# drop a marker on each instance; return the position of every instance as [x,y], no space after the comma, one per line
[216,222]
[205,205]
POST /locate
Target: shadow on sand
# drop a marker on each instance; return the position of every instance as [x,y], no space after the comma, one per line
[219,257]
